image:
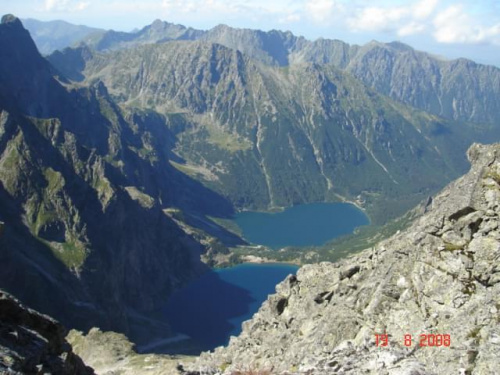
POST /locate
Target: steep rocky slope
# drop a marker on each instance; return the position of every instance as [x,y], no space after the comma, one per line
[84,193]
[458,89]
[32,343]
[455,89]
[440,276]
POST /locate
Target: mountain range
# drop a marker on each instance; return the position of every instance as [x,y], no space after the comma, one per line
[382,123]
[115,152]
[393,69]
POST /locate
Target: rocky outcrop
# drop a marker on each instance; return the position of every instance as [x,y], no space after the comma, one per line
[441,276]
[110,353]
[32,343]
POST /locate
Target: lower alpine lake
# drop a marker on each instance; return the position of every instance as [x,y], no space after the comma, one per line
[211,309]
[311,224]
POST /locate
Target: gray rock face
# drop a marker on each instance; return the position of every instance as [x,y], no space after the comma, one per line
[32,343]
[458,89]
[441,277]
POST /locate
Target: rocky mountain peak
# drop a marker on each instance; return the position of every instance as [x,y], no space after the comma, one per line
[159,25]
[25,77]
[10,19]
[11,27]
[400,46]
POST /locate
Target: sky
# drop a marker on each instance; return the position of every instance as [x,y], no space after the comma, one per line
[448,28]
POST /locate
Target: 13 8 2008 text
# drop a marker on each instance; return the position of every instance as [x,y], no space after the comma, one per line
[424,339]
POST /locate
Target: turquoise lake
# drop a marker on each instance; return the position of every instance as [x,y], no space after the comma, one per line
[212,308]
[303,225]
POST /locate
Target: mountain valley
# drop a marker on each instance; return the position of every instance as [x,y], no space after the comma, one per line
[125,156]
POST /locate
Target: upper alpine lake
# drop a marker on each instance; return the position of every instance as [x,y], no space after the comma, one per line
[311,224]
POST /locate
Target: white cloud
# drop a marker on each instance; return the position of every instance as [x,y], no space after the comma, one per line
[82,5]
[411,18]
[65,5]
[323,11]
[53,4]
[411,29]
[378,19]
[290,18]
[454,25]
[182,6]
[424,8]
[218,8]
[446,21]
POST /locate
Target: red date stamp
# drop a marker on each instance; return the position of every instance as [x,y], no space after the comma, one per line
[424,339]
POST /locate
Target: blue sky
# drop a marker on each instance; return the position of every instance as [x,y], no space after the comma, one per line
[450,28]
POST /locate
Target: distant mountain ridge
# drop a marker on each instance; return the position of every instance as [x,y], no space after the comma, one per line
[57,35]
[394,69]
[460,89]
[158,32]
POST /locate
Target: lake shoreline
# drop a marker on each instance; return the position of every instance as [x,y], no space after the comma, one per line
[354,203]
[312,224]
[254,259]
[257,260]
[278,209]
